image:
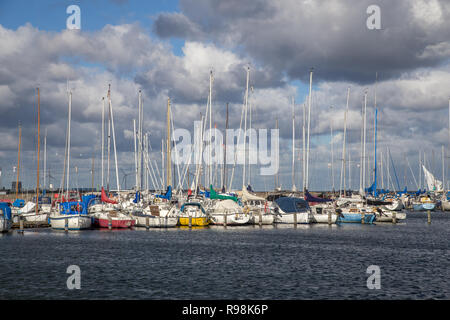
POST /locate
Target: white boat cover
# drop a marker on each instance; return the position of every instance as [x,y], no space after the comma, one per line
[247,196]
[28,207]
[227,204]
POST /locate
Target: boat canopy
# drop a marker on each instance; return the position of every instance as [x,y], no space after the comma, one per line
[227,204]
[289,204]
[192,204]
[43,200]
[213,195]
[6,210]
[18,203]
[73,207]
[89,199]
[247,196]
[310,198]
[168,194]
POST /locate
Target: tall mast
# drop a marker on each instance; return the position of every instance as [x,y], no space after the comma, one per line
[139,139]
[309,127]
[294,188]
[168,167]
[443,170]
[364,143]
[18,160]
[68,145]
[245,128]
[135,156]
[45,159]
[332,153]
[225,155]
[114,141]
[304,147]
[277,181]
[103,136]
[38,150]
[342,184]
[375,155]
[210,127]
[109,143]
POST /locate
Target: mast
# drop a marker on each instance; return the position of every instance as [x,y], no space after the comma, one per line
[168,167]
[294,188]
[45,159]
[332,152]
[38,150]
[304,147]
[135,156]
[139,139]
[277,181]
[68,146]
[342,183]
[114,141]
[245,128]
[210,127]
[309,128]
[103,136]
[109,146]
[364,144]
[18,161]
[375,155]
[443,170]
[225,155]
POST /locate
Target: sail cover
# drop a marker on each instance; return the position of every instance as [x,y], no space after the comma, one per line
[105,197]
[247,196]
[310,198]
[432,183]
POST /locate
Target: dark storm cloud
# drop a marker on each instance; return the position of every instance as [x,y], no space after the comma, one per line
[330,35]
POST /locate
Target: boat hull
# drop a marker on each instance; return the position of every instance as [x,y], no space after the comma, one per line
[198,222]
[302,218]
[33,217]
[156,222]
[71,222]
[5,224]
[266,219]
[116,223]
[232,219]
[323,218]
[355,218]
[423,206]
[445,205]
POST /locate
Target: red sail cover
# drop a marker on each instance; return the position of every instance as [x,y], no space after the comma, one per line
[105,198]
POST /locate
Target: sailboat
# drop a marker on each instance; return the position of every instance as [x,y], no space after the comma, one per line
[433,185]
[5,217]
[70,215]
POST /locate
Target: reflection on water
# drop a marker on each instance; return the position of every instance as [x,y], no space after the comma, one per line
[244,262]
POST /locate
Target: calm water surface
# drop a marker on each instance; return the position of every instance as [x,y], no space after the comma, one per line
[272,262]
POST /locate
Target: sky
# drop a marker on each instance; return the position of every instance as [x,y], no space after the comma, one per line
[167,49]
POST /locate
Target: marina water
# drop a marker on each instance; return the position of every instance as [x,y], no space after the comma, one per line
[247,262]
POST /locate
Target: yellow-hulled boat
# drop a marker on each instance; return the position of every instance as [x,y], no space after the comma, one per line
[193,214]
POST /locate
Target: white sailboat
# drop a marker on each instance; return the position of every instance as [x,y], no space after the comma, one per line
[68,215]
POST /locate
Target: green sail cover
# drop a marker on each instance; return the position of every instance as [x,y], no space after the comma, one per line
[213,195]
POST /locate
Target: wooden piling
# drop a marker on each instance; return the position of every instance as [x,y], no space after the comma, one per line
[20,224]
[190,221]
[429,216]
[363,217]
[66,224]
[225,219]
[295,219]
[329,217]
[109,222]
[394,217]
[260,218]
[147,222]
